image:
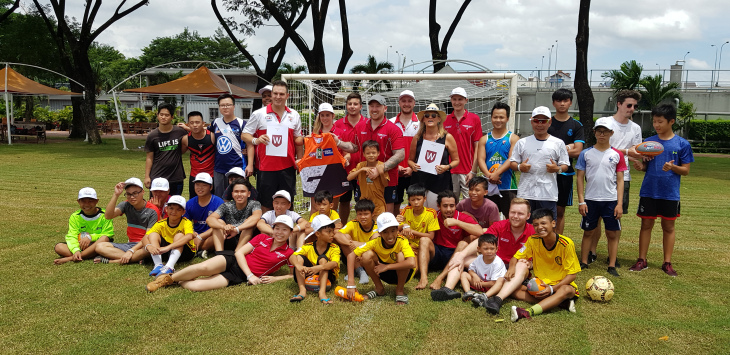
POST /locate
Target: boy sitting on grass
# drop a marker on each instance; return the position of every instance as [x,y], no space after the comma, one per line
[281,204]
[553,261]
[233,222]
[323,203]
[358,232]
[86,226]
[417,221]
[170,238]
[371,176]
[319,257]
[197,210]
[253,263]
[387,258]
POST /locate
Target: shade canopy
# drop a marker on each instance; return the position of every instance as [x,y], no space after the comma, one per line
[19,84]
[201,82]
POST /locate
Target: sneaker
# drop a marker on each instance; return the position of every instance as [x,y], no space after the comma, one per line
[363,275]
[568,305]
[583,266]
[640,265]
[612,270]
[478,300]
[156,270]
[166,271]
[608,262]
[592,257]
[519,313]
[493,305]
[204,254]
[669,270]
[444,294]
[162,281]
[468,296]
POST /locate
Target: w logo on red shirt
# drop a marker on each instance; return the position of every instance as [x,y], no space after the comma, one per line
[430,156]
[276,140]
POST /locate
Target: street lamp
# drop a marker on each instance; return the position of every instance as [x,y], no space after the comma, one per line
[556,55]
[719,64]
[550,59]
[684,60]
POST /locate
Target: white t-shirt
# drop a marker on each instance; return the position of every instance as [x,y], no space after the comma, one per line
[270,216]
[488,272]
[537,184]
[626,136]
[601,168]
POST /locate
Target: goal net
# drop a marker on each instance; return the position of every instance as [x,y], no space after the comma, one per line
[307,91]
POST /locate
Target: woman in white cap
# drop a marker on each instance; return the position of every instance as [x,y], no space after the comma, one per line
[432,129]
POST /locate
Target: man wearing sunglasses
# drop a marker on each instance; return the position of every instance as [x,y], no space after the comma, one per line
[626,135]
[539,158]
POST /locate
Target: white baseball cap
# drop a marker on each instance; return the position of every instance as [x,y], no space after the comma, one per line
[87,192]
[386,220]
[133,181]
[407,93]
[204,177]
[541,111]
[282,193]
[459,91]
[326,107]
[604,122]
[265,89]
[319,222]
[177,200]
[286,220]
[236,171]
[160,184]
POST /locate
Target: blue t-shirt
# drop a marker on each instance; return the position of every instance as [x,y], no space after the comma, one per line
[230,148]
[664,185]
[198,214]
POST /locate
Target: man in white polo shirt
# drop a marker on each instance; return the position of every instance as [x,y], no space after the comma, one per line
[408,122]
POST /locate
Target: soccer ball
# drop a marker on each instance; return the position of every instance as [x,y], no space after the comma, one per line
[599,288]
[535,285]
[312,283]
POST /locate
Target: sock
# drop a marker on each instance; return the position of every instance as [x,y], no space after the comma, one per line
[535,310]
[157,259]
[174,255]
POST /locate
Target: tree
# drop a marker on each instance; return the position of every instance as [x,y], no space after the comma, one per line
[440,52]
[372,66]
[655,92]
[189,45]
[287,68]
[583,90]
[73,41]
[13,6]
[627,77]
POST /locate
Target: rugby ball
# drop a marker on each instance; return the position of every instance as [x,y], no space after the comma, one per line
[649,148]
[599,288]
[535,285]
[312,283]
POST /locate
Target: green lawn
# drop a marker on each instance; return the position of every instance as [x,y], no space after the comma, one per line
[87,308]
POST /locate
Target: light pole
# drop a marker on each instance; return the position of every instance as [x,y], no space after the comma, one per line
[714,67]
[684,60]
[550,60]
[556,55]
[719,64]
[387,54]
[397,64]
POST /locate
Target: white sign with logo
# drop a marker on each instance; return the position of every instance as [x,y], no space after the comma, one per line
[431,154]
[278,140]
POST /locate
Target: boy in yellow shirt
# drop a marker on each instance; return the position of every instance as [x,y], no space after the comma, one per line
[417,221]
[358,232]
[319,257]
[171,237]
[323,203]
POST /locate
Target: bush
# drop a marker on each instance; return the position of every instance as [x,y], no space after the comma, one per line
[717,130]
[61,118]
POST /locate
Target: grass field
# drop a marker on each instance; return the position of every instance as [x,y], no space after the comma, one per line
[87,308]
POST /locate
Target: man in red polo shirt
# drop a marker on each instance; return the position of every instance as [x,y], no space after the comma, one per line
[275,173]
[345,127]
[408,122]
[390,139]
[466,127]
[455,228]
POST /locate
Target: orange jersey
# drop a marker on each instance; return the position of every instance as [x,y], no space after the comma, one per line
[323,166]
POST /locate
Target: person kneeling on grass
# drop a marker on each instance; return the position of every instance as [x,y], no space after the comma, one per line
[386,258]
[86,226]
[170,238]
[319,257]
[554,261]
[253,263]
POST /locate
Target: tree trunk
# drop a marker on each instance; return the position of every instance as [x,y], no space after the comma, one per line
[29,106]
[582,86]
[84,108]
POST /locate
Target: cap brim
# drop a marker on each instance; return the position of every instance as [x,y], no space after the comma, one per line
[290,227]
[325,225]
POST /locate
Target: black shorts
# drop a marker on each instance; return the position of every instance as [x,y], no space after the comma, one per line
[650,208]
[403,183]
[330,275]
[441,257]
[390,194]
[600,209]
[269,182]
[187,253]
[233,272]
[627,185]
[504,201]
[391,276]
[355,193]
[536,204]
[565,190]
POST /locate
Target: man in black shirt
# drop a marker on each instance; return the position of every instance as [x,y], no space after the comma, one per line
[164,151]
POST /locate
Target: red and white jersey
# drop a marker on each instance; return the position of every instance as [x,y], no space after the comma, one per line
[388,136]
[466,132]
[451,236]
[409,131]
[260,120]
[343,126]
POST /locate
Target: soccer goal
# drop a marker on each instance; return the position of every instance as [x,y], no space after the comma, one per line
[307,91]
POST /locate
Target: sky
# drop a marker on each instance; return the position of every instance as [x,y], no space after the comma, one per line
[515,35]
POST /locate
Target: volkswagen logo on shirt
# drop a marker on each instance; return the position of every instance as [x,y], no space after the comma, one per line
[224,145]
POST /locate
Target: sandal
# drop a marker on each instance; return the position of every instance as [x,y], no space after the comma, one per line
[101,260]
[401,300]
[372,295]
[326,300]
[296,298]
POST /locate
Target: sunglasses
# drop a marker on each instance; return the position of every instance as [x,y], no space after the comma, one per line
[431,115]
[632,105]
[541,120]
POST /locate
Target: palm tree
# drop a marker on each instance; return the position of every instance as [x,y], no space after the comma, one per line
[627,77]
[287,68]
[372,66]
[655,92]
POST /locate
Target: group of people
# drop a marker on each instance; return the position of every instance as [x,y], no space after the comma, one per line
[246,234]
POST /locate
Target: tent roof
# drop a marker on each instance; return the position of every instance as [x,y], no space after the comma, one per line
[19,84]
[201,82]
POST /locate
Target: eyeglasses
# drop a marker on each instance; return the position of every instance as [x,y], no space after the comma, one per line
[602,132]
[431,115]
[226,105]
[632,105]
[133,194]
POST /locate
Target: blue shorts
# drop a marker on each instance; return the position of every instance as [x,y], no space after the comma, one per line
[441,257]
[600,209]
[536,204]
[124,246]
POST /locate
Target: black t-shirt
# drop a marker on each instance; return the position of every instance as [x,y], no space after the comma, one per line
[570,131]
[167,149]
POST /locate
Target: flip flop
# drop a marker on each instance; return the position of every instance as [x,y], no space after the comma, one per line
[401,300]
[101,260]
[372,295]
[296,299]
[326,300]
